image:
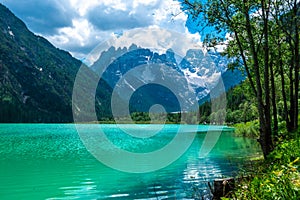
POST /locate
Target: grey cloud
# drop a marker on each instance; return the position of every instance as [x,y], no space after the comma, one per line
[47,16]
[42,16]
[117,19]
[86,49]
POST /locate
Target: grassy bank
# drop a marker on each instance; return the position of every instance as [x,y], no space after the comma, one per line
[277,177]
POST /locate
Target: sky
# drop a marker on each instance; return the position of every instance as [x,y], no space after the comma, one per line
[78,26]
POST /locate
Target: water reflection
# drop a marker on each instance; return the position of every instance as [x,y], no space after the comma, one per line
[50,162]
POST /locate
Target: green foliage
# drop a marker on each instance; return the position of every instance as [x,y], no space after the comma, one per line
[276,178]
[264,39]
[248,129]
[147,118]
[240,107]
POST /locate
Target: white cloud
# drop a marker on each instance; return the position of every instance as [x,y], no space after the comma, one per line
[79,39]
[154,38]
[146,38]
[79,32]
[88,23]
[222,46]
[137,3]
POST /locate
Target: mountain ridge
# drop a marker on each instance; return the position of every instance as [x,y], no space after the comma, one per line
[36,78]
[202,71]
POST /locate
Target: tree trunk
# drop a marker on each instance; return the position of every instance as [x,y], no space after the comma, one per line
[284,97]
[265,136]
[292,102]
[222,187]
[267,107]
[297,65]
[274,107]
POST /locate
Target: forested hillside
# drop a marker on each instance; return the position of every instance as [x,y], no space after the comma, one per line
[264,40]
[36,78]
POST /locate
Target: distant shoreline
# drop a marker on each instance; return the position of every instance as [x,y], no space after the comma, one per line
[111,122]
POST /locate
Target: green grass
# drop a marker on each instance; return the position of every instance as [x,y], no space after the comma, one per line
[277,177]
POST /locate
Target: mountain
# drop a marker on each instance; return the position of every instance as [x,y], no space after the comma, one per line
[193,76]
[36,78]
[149,94]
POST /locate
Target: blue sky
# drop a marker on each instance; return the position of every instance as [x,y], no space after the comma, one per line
[79,26]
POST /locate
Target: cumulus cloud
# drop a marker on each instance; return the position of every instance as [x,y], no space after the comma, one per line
[156,39]
[79,26]
[80,38]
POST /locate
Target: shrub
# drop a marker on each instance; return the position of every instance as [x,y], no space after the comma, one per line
[248,129]
[278,177]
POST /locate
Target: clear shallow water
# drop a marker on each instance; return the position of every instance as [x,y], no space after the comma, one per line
[49,161]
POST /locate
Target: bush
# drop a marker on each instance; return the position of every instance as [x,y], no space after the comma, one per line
[248,129]
[276,178]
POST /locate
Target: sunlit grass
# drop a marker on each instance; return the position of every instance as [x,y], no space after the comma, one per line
[278,177]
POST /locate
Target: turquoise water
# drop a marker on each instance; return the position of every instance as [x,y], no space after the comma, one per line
[49,161]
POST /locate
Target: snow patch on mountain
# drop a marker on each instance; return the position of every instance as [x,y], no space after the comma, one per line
[201,70]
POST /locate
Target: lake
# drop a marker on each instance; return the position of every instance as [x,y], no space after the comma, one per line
[50,161]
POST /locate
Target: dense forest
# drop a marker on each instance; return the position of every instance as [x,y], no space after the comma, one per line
[264,41]
[240,107]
